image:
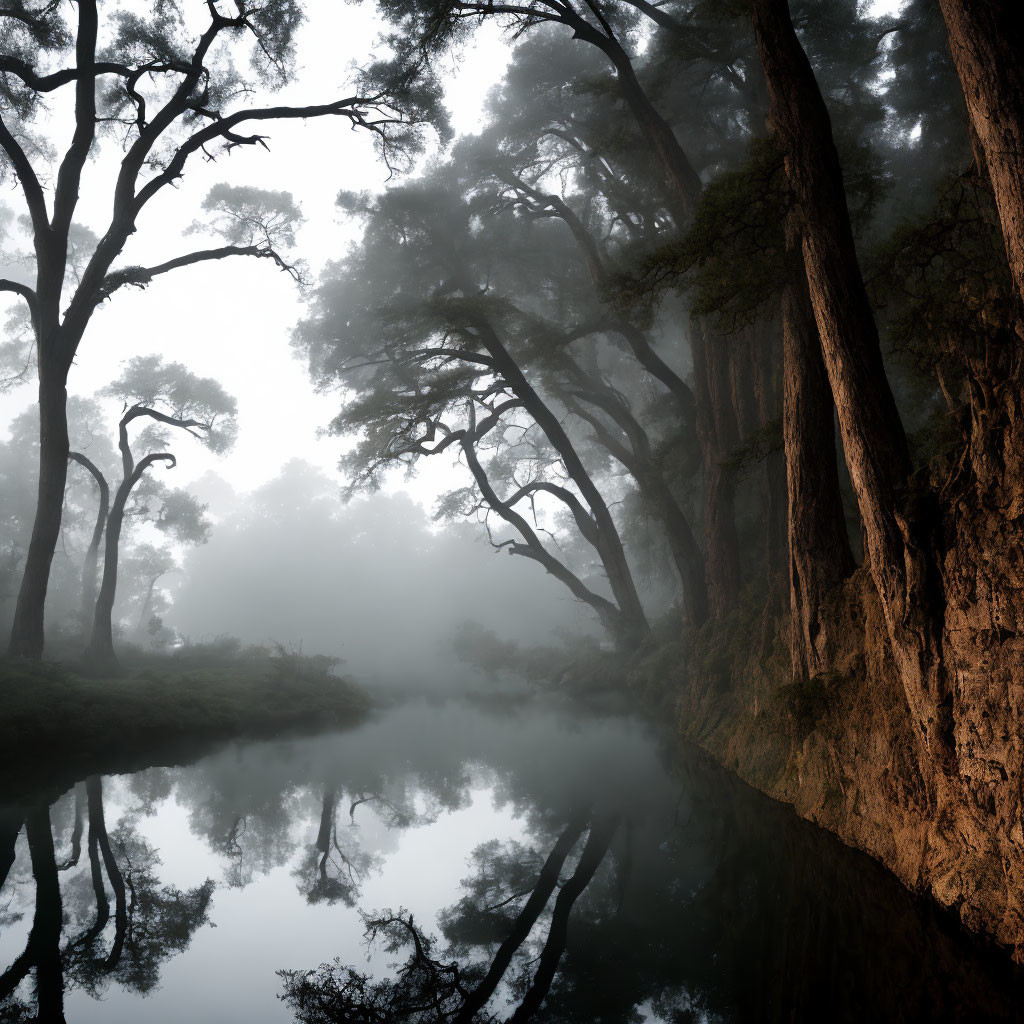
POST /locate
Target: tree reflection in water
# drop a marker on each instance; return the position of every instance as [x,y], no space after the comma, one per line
[425,989]
[151,922]
[635,882]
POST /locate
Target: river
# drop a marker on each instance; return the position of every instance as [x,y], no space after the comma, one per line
[542,864]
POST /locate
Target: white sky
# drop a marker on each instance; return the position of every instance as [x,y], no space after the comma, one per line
[232,320]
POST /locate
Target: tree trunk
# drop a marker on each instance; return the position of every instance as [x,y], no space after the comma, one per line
[27,627]
[44,940]
[323,836]
[682,181]
[10,828]
[546,883]
[768,397]
[76,831]
[873,438]
[718,435]
[686,553]
[100,652]
[98,838]
[819,547]
[613,556]
[638,459]
[987,40]
[602,830]
[91,560]
[140,626]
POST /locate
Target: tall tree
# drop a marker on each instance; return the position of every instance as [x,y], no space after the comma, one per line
[986,39]
[874,440]
[169,396]
[435,25]
[411,321]
[169,94]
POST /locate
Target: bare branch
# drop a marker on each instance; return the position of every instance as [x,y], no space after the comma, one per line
[148,461]
[140,277]
[355,108]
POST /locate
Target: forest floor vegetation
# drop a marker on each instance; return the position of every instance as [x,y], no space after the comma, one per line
[59,724]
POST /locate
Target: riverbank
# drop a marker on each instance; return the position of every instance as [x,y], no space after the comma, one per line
[58,725]
[843,751]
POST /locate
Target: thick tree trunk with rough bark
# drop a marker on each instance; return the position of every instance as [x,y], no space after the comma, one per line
[986,39]
[819,547]
[873,438]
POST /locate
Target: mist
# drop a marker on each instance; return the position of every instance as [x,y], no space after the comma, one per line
[374,583]
[511,511]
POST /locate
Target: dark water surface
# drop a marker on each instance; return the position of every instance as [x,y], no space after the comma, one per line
[569,869]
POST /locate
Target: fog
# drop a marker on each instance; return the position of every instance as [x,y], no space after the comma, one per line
[465,468]
[372,582]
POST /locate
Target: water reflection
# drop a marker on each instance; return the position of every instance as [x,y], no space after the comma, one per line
[70,944]
[451,865]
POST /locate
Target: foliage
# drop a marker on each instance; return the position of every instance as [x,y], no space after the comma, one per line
[941,280]
[173,389]
[424,991]
[245,215]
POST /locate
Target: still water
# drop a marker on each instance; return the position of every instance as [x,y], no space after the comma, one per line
[456,863]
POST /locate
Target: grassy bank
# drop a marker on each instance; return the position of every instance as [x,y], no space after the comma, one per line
[57,724]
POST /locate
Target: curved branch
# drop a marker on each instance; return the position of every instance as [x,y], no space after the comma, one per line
[127,459]
[140,277]
[11,64]
[353,107]
[609,614]
[583,520]
[27,293]
[104,489]
[148,461]
[30,187]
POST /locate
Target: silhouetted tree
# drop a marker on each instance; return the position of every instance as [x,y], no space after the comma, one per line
[170,396]
[170,95]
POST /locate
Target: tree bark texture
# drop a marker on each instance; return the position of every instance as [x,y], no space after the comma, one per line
[819,548]
[986,40]
[718,434]
[873,438]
